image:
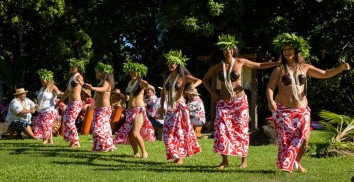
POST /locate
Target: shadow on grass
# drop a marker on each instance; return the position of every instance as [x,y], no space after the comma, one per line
[143,165]
[122,162]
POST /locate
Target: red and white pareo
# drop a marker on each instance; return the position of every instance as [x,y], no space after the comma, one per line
[178,134]
[147,130]
[44,124]
[101,130]
[72,111]
[231,135]
[291,126]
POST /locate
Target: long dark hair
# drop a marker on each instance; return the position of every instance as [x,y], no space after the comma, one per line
[109,78]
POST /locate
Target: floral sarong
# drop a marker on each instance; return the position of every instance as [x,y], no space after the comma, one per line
[178,134]
[101,130]
[147,131]
[231,135]
[291,126]
[44,124]
[72,111]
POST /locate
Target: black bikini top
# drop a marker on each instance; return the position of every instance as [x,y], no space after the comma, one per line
[286,80]
[234,76]
[177,86]
[73,84]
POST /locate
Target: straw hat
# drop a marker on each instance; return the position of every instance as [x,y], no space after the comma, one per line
[192,91]
[152,88]
[87,91]
[116,91]
[20,91]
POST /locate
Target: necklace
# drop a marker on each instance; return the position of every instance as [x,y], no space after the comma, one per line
[131,87]
[23,103]
[227,79]
[294,83]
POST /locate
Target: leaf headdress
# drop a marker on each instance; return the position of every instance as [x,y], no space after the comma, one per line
[227,42]
[104,68]
[78,63]
[176,57]
[297,42]
[129,67]
[45,75]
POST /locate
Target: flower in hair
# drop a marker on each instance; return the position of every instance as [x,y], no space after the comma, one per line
[295,41]
[176,57]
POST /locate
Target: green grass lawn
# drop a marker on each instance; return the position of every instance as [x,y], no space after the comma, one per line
[29,160]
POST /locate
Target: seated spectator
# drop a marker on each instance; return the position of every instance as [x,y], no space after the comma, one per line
[152,106]
[19,114]
[196,109]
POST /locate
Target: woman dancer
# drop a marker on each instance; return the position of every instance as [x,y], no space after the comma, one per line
[290,110]
[137,127]
[46,111]
[232,115]
[178,134]
[73,108]
[102,132]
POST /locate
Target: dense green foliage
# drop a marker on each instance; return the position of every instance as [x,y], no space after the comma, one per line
[45,34]
[29,160]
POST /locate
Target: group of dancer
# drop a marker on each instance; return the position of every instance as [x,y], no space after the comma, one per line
[231,132]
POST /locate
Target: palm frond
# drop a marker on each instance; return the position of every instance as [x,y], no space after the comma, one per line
[331,117]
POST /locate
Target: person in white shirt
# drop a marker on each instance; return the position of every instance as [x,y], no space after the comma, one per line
[20,113]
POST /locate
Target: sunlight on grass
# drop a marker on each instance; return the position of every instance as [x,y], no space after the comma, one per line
[29,160]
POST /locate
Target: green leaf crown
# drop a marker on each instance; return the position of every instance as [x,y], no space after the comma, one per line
[226,42]
[129,67]
[297,42]
[104,68]
[176,57]
[45,75]
[78,63]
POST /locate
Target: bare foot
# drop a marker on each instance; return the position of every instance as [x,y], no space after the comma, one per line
[222,166]
[302,169]
[178,161]
[145,155]
[243,165]
[45,141]
[50,141]
[137,155]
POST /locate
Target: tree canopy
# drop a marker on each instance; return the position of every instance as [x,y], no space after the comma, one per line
[37,34]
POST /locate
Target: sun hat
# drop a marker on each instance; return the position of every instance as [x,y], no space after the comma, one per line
[87,91]
[152,88]
[192,91]
[20,91]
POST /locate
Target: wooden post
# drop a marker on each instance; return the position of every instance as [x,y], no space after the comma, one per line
[86,125]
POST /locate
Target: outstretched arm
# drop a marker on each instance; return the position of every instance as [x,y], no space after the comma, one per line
[255,65]
[322,74]
[103,88]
